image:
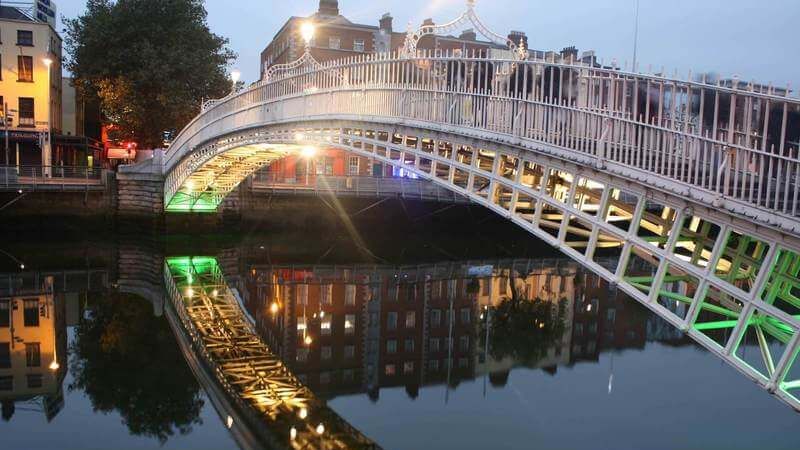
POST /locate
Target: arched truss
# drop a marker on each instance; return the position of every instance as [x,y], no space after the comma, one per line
[734,288]
[305,62]
[469,16]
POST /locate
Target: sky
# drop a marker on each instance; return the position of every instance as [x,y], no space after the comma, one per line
[753,39]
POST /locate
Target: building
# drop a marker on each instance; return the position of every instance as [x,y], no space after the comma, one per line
[33,348]
[30,86]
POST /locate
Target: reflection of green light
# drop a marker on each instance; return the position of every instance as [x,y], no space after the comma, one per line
[204,202]
[718,325]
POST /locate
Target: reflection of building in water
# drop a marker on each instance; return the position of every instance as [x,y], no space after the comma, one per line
[33,346]
[345,330]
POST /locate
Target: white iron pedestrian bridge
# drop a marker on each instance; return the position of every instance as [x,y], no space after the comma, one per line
[690,188]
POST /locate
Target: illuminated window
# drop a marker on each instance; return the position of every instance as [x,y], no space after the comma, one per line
[25,68]
[301,325]
[358,45]
[349,323]
[334,42]
[390,369]
[391,321]
[408,367]
[352,165]
[302,294]
[411,319]
[350,294]
[326,294]
[325,325]
[391,346]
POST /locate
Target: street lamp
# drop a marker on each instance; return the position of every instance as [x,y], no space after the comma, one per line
[235,76]
[307,32]
[46,161]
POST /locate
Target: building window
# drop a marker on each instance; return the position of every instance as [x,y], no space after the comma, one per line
[409,345]
[391,346]
[348,375]
[411,319]
[302,354]
[301,325]
[324,377]
[334,42]
[391,321]
[433,365]
[5,355]
[390,369]
[25,68]
[326,294]
[463,343]
[26,117]
[350,294]
[326,352]
[32,356]
[408,367]
[465,312]
[434,344]
[352,165]
[302,294]
[463,363]
[34,381]
[325,325]
[436,317]
[31,312]
[25,37]
[358,45]
[349,351]
[5,307]
[349,323]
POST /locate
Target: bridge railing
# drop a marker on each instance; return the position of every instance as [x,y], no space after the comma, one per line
[733,139]
[50,177]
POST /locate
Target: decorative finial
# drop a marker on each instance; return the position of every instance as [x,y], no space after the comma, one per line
[470,4]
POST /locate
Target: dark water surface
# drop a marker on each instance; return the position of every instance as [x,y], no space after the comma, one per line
[544,355]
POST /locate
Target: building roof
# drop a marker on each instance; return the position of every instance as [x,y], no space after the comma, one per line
[12,13]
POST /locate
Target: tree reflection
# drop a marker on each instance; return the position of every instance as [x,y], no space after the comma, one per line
[525,330]
[127,360]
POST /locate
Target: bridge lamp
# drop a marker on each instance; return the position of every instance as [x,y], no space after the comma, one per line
[293,433]
[307,32]
[320,429]
[308,340]
[308,152]
[273,308]
[303,413]
[235,76]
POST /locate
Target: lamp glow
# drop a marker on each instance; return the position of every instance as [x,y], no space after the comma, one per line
[307,32]
[320,429]
[54,365]
[303,413]
[293,433]
[273,308]
[235,75]
[308,340]
[308,152]
[47,61]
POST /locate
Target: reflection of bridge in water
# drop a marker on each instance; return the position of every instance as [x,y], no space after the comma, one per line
[259,389]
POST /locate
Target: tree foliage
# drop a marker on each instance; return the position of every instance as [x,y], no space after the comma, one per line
[151,62]
[126,360]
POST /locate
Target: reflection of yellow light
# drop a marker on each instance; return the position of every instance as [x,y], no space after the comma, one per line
[214,293]
[189,292]
[189,186]
[298,136]
[293,433]
[308,152]
[303,413]
[273,308]
[307,31]
[320,429]
[541,325]
[308,340]
[54,365]
[322,314]
[230,421]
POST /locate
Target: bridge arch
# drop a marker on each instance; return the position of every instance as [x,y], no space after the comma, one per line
[694,236]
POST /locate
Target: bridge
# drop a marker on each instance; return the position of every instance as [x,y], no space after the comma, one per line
[698,182]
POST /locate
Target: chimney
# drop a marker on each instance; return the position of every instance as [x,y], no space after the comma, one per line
[517,36]
[328,7]
[570,53]
[386,23]
[468,35]
[428,22]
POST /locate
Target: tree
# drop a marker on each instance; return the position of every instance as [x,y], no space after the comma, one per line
[150,62]
[127,360]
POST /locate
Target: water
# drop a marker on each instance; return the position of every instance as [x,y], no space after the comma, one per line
[582,367]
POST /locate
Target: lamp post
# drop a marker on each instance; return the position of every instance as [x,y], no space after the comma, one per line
[235,76]
[47,156]
[307,32]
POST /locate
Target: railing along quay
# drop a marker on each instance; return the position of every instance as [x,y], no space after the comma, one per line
[52,178]
[738,142]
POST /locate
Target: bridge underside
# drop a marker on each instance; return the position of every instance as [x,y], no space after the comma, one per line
[209,184]
[729,284]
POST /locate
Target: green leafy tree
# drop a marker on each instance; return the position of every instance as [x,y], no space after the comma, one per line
[126,360]
[526,330]
[150,62]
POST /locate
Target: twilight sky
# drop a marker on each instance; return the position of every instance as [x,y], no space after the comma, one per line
[755,39]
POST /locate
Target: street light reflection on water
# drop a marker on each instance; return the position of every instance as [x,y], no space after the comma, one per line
[408,352]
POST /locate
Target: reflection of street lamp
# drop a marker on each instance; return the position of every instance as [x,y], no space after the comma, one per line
[46,161]
[20,263]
